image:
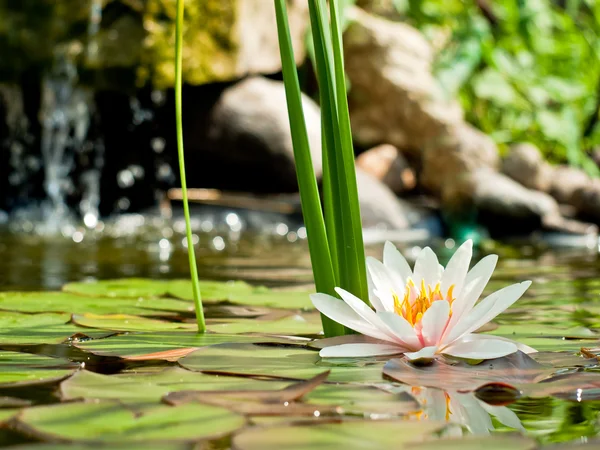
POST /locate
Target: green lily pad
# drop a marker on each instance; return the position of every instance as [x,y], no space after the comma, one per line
[295,325]
[23,369]
[350,435]
[110,421]
[47,334]
[135,344]
[113,446]
[135,388]
[124,322]
[495,442]
[286,362]
[36,302]
[237,292]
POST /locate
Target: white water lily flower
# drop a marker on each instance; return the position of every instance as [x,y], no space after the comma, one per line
[424,312]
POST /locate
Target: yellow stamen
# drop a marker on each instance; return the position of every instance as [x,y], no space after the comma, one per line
[413,310]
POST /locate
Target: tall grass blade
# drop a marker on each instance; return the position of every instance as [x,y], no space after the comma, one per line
[309,194]
[340,177]
[186,208]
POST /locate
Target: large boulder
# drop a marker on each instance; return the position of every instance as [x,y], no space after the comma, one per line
[505,206]
[121,43]
[525,164]
[463,149]
[244,141]
[394,97]
[386,163]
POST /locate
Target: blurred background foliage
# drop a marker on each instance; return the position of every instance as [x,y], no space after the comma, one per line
[525,70]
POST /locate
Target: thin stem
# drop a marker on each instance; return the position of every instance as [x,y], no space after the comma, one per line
[186,207]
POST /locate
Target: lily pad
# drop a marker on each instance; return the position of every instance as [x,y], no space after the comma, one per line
[294,325]
[24,369]
[123,322]
[350,435]
[110,421]
[136,344]
[285,362]
[64,302]
[496,442]
[237,292]
[135,388]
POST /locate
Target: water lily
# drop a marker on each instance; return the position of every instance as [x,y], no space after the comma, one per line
[424,312]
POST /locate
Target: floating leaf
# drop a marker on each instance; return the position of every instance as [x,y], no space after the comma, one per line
[123,322]
[137,344]
[350,435]
[35,302]
[513,369]
[297,324]
[265,403]
[110,421]
[496,442]
[285,362]
[24,369]
[236,292]
[135,388]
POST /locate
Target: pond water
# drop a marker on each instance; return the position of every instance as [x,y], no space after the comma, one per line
[559,315]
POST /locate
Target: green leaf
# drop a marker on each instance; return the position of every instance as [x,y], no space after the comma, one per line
[351,435]
[135,344]
[26,369]
[288,362]
[110,421]
[309,195]
[150,387]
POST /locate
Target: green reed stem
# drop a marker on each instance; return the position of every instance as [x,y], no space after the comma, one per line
[320,256]
[186,207]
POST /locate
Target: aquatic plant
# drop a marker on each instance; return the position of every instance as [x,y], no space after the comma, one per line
[424,312]
[180,152]
[335,237]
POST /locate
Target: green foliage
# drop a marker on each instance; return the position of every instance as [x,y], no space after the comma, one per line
[529,71]
[335,240]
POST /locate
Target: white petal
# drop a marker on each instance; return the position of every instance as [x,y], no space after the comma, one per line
[359,350]
[396,263]
[474,285]
[477,336]
[366,313]
[383,284]
[480,349]
[434,322]
[486,310]
[340,312]
[427,268]
[457,269]
[424,353]
[373,297]
[401,328]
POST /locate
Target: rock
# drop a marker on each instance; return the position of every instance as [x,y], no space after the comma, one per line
[224,39]
[587,200]
[394,97]
[243,142]
[504,206]
[526,165]
[388,165]
[565,183]
[381,208]
[464,149]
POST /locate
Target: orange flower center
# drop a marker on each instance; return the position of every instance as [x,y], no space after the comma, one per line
[416,302]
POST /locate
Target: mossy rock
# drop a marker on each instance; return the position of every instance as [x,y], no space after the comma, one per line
[223,39]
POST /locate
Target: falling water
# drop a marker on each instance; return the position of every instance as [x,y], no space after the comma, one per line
[65,115]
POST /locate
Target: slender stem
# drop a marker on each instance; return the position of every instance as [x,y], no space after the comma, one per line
[186,207]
